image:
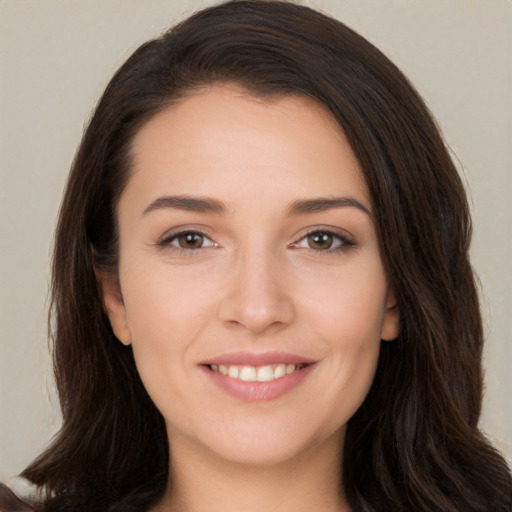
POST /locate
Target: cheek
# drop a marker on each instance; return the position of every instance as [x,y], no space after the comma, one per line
[354,346]
[163,329]
[162,305]
[350,306]
[166,312]
[349,319]
[152,312]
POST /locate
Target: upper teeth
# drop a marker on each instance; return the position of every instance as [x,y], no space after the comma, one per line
[255,373]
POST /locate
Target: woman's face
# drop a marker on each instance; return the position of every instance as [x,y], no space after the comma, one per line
[251,285]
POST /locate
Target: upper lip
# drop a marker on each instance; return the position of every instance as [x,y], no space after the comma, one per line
[257,359]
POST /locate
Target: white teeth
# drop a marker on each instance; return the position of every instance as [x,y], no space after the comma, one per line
[247,373]
[255,373]
[265,373]
[280,371]
[233,372]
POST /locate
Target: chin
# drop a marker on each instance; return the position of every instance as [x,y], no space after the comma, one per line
[270,443]
[260,455]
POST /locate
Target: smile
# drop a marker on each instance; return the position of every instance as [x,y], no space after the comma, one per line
[248,373]
[257,377]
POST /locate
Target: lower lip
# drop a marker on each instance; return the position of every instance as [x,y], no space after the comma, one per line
[258,391]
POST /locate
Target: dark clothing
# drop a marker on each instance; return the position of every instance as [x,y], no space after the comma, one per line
[9,502]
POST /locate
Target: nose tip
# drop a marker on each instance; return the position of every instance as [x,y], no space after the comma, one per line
[257,300]
[256,319]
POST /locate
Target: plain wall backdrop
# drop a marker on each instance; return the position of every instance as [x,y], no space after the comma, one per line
[56,57]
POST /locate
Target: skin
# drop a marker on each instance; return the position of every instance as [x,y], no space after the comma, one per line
[255,282]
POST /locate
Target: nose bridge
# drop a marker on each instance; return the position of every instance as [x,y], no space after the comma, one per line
[257,296]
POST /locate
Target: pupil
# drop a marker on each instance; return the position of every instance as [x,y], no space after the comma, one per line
[320,241]
[191,240]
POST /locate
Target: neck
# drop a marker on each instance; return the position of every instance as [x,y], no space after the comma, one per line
[204,482]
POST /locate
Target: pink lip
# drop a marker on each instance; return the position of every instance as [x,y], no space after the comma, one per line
[257,391]
[257,359]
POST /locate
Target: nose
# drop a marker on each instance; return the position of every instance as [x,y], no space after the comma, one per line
[256,296]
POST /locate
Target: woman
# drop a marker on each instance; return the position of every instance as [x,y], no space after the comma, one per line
[261,286]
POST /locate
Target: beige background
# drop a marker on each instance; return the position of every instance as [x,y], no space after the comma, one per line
[55,59]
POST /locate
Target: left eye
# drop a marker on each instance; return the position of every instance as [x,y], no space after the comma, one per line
[324,241]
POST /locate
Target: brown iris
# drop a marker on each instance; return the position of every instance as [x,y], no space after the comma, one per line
[190,240]
[320,241]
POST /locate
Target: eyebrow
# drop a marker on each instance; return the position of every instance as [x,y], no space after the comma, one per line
[210,205]
[322,204]
[193,204]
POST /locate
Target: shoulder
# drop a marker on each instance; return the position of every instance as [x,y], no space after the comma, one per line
[10,502]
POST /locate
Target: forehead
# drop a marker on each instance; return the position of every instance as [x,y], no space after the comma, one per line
[225,135]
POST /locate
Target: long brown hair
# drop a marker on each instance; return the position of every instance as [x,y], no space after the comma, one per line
[414,444]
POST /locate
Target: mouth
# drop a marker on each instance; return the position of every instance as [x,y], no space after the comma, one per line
[257,377]
[248,373]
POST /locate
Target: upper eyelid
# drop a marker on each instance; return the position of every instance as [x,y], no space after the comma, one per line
[338,232]
[181,230]
[343,238]
[165,243]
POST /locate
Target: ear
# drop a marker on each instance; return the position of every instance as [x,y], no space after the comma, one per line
[391,323]
[114,307]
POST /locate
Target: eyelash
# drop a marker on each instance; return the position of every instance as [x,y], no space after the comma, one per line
[342,242]
[167,242]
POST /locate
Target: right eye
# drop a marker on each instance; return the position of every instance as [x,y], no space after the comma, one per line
[190,240]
